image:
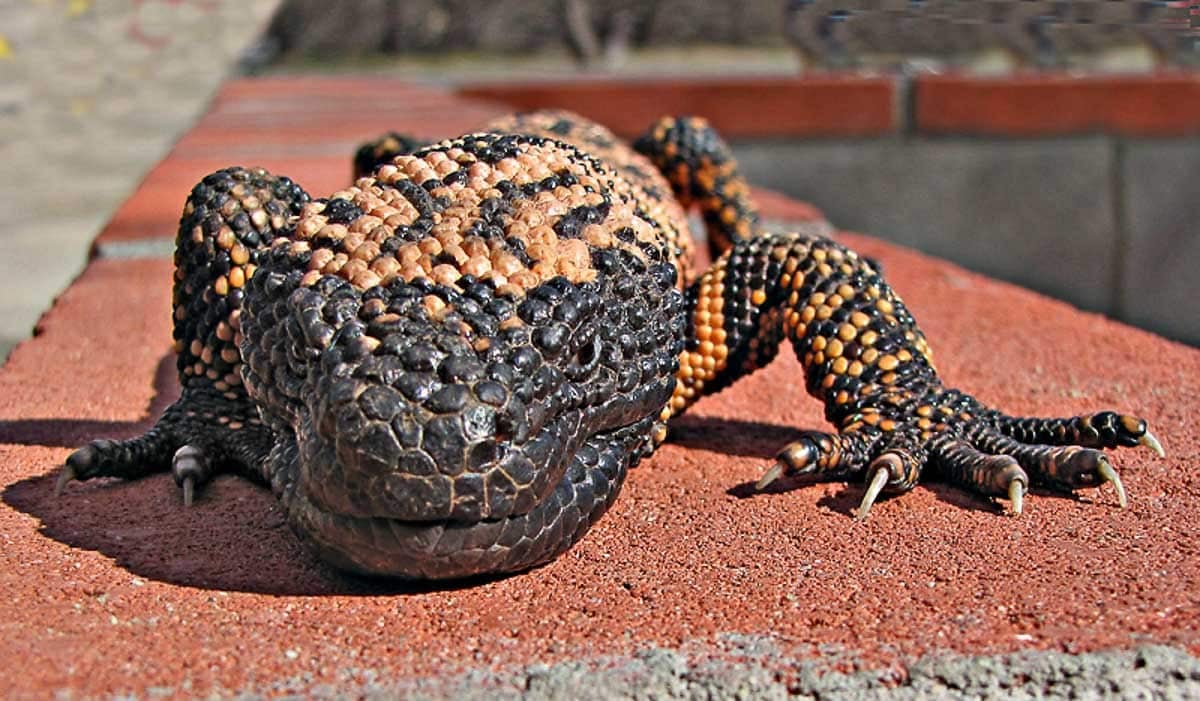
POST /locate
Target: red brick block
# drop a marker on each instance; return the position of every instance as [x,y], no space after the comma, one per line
[738,107]
[121,571]
[1165,104]
[115,588]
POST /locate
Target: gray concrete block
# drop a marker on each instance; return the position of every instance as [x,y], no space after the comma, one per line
[1035,212]
[90,98]
[1160,270]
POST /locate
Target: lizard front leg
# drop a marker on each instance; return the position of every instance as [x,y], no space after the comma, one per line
[866,359]
[862,353]
[228,221]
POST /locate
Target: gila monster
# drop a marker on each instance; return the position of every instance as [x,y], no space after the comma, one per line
[447,368]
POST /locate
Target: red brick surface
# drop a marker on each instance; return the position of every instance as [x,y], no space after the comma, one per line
[1166,104]
[305,128]
[833,106]
[115,587]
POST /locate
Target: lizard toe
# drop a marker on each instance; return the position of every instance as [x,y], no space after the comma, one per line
[824,456]
[983,472]
[1062,467]
[190,467]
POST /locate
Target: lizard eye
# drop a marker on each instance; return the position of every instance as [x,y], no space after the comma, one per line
[585,359]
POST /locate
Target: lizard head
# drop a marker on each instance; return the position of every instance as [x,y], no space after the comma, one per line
[445,429]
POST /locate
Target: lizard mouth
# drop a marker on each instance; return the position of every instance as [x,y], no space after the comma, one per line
[589,480]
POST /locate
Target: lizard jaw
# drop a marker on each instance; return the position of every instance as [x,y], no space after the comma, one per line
[452,549]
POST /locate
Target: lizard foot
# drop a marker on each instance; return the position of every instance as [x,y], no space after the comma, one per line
[1065,453]
[228,222]
[890,461]
[983,451]
[196,438]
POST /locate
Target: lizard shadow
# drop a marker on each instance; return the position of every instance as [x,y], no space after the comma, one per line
[234,538]
[850,493]
[742,437]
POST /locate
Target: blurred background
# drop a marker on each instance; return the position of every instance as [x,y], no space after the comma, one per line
[1098,210]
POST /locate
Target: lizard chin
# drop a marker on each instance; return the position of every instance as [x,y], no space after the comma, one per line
[590,478]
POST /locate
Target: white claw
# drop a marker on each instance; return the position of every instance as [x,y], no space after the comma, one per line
[189,490]
[1016,496]
[769,476]
[67,475]
[189,466]
[1152,443]
[878,481]
[1107,471]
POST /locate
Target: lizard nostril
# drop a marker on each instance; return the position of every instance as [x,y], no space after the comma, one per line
[588,354]
[585,359]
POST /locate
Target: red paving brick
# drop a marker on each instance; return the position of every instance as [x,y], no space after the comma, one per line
[827,106]
[116,587]
[307,129]
[303,128]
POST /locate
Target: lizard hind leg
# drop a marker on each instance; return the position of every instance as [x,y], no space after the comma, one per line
[228,221]
[701,169]
[384,149]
